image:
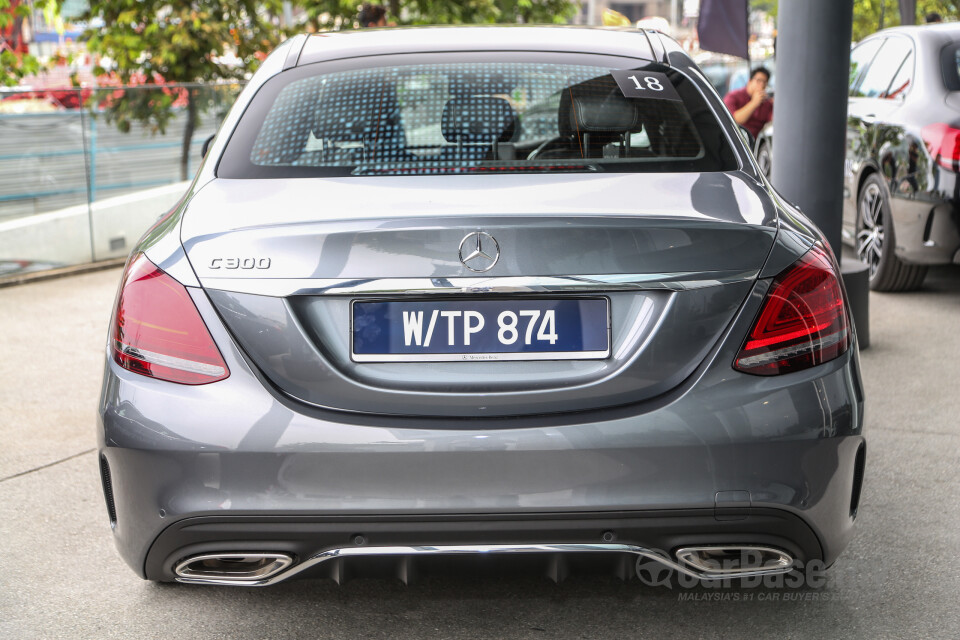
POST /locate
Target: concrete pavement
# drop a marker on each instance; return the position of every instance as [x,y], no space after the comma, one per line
[61,578]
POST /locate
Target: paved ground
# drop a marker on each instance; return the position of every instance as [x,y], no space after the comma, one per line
[61,578]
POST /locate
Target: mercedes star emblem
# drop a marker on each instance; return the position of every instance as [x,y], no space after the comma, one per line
[479,251]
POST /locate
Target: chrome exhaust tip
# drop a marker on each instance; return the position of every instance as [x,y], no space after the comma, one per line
[231,568]
[734,561]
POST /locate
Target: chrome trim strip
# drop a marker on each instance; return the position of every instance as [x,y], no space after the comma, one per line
[180,364]
[283,287]
[529,356]
[474,549]
[803,348]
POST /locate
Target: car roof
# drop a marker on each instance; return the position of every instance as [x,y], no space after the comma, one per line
[932,35]
[627,42]
[934,30]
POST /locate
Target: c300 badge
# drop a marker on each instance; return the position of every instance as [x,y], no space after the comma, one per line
[240,263]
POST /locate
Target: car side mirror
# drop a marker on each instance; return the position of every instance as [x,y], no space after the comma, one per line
[747,137]
[206,146]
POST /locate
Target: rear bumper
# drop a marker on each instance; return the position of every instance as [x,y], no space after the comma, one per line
[304,538]
[727,458]
[281,480]
[927,231]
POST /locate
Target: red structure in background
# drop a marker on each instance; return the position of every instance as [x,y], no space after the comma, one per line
[11,36]
[74,98]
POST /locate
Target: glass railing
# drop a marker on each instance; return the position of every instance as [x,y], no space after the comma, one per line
[79,182]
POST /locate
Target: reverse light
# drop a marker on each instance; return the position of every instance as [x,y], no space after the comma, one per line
[803,321]
[158,332]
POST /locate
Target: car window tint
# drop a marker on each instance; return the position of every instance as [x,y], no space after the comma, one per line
[950,66]
[860,58]
[886,63]
[902,80]
[476,117]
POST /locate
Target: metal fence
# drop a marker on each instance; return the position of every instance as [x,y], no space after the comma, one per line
[74,188]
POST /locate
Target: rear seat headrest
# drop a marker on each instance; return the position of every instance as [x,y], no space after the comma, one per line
[354,110]
[478,119]
[345,118]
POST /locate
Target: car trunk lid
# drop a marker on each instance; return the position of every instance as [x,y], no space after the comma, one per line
[673,256]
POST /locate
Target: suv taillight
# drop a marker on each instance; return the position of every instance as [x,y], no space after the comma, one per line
[158,332]
[803,321]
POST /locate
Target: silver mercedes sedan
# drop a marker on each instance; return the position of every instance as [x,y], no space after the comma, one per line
[485,291]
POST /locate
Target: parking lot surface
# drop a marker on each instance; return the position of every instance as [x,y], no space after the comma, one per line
[61,577]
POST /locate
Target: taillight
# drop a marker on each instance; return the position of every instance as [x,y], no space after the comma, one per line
[943,143]
[158,331]
[803,321]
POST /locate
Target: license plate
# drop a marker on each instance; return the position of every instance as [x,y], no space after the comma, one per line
[506,329]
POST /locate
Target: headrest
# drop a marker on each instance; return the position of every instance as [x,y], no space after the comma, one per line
[478,119]
[610,113]
[344,117]
[353,110]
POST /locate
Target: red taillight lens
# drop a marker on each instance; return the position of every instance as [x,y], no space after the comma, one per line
[943,143]
[158,331]
[803,321]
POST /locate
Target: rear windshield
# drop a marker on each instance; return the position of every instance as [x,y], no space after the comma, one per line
[476,117]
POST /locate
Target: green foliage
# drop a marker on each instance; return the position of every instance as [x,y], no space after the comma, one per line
[147,105]
[490,11]
[22,11]
[183,41]
[177,41]
[768,6]
[341,14]
[867,14]
[327,15]
[14,67]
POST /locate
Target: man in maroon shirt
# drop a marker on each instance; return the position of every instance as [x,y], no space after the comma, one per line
[750,106]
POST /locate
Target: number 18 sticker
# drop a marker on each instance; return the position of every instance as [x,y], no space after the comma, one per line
[637,83]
